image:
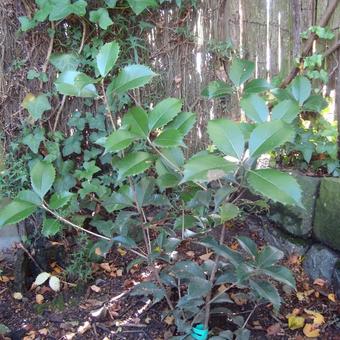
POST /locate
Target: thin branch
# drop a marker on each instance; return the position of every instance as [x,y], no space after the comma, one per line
[108,110]
[61,106]
[49,51]
[332,49]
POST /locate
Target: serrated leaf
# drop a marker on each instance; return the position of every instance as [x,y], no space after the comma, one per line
[240,71]
[29,196]
[281,274]
[33,140]
[42,177]
[268,257]
[301,89]
[255,108]
[41,278]
[198,287]
[36,106]
[102,18]
[51,227]
[169,138]
[183,122]
[107,57]
[138,6]
[117,141]
[276,185]
[134,164]
[65,61]
[227,136]
[217,89]
[268,136]
[206,168]
[15,212]
[257,86]
[286,110]
[59,200]
[54,283]
[137,120]
[248,245]
[164,112]
[266,291]
[131,77]
[187,270]
[228,211]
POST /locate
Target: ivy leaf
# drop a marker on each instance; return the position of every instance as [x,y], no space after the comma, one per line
[101,17]
[257,86]
[50,227]
[16,211]
[26,23]
[183,122]
[63,8]
[287,110]
[138,6]
[36,106]
[164,112]
[134,164]
[217,89]
[255,108]
[227,136]
[111,3]
[72,145]
[206,168]
[240,71]
[137,120]
[301,89]
[267,136]
[42,177]
[131,77]
[107,57]
[281,274]
[74,83]
[58,200]
[65,61]
[117,141]
[169,138]
[33,140]
[228,211]
[267,291]
[90,169]
[276,185]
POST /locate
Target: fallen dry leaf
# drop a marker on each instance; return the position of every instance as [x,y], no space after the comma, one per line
[239,298]
[98,252]
[4,279]
[320,282]
[169,320]
[331,297]
[311,331]
[190,253]
[119,272]
[206,256]
[274,330]
[39,299]
[43,331]
[17,296]
[70,336]
[84,328]
[95,288]
[318,318]
[105,266]
[121,251]
[295,322]
[30,336]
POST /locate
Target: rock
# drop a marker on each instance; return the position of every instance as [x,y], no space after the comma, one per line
[327,213]
[295,220]
[285,242]
[336,279]
[320,262]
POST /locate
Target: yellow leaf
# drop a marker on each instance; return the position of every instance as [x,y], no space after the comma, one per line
[121,251]
[295,322]
[28,98]
[206,256]
[318,318]
[310,331]
[331,297]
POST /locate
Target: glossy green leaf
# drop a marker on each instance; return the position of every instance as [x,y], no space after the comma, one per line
[164,112]
[301,89]
[65,61]
[138,6]
[206,168]
[36,106]
[51,227]
[131,77]
[169,138]
[248,245]
[276,185]
[268,136]
[16,211]
[286,110]
[227,136]
[137,120]
[257,86]
[101,17]
[187,270]
[74,83]
[281,274]
[267,291]
[199,287]
[183,122]
[255,108]
[107,57]
[240,71]
[42,177]
[268,256]
[133,164]
[217,89]
[59,200]
[228,211]
[117,141]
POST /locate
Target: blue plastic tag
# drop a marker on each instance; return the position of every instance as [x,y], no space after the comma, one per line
[199,333]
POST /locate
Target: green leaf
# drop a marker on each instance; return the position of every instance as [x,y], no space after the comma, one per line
[137,119]
[138,6]
[107,57]
[228,211]
[276,185]
[4,329]
[51,227]
[65,61]
[281,274]
[131,77]
[268,257]
[101,17]
[61,9]
[149,288]
[240,71]
[111,3]
[74,83]
[29,196]
[257,86]
[58,200]
[164,112]
[105,228]
[227,136]
[33,140]
[42,177]
[198,287]
[248,245]
[187,270]
[315,103]
[287,110]
[255,108]
[90,169]
[183,122]
[15,212]
[169,138]
[134,164]
[26,23]
[217,89]
[267,291]
[206,168]
[301,89]
[268,136]
[117,141]
[36,106]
